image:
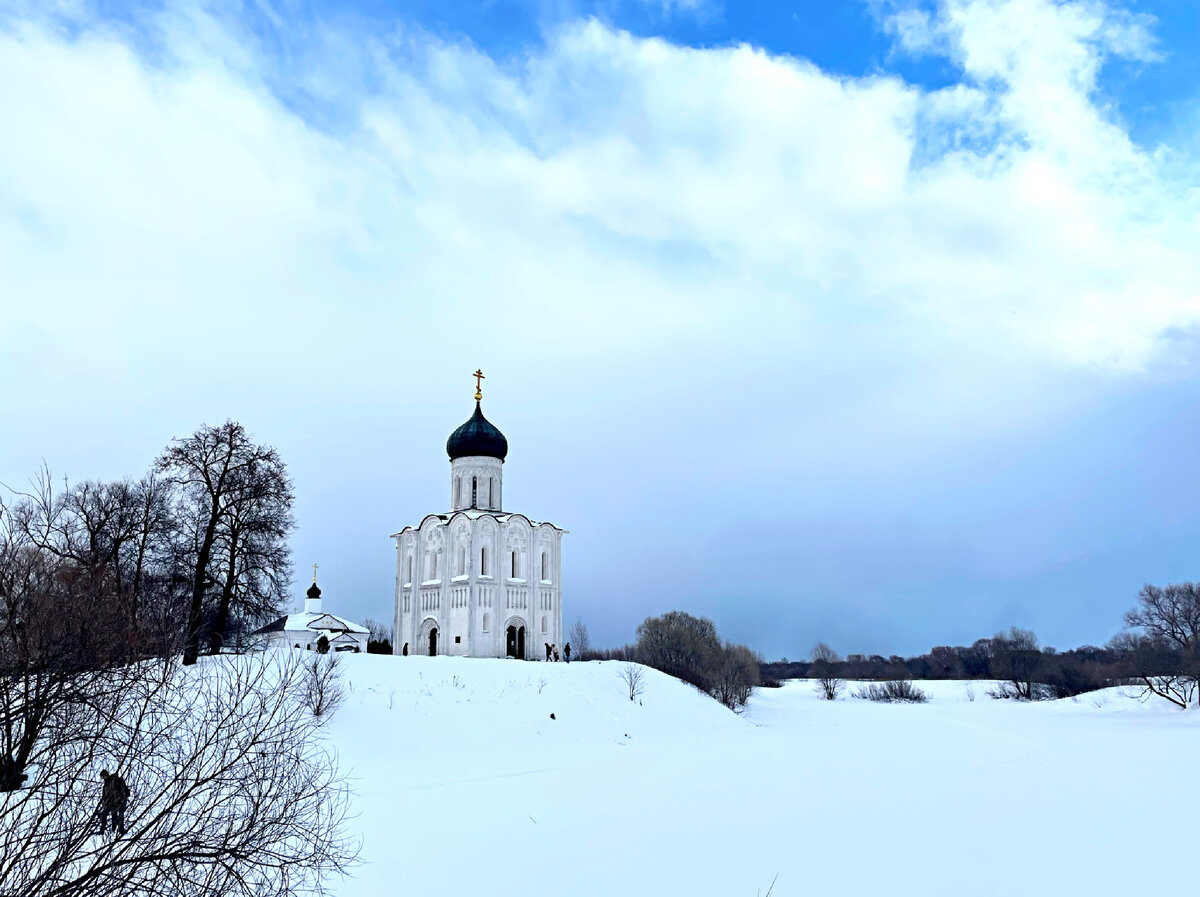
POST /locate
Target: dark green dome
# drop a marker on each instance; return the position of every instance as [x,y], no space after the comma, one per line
[477,437]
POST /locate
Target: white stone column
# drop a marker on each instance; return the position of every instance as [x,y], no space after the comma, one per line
[398,603]
[472,585]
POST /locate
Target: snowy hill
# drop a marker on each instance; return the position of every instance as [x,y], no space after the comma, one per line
[465,785]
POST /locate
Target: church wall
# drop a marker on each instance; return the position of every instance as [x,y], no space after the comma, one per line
[306,638]
[458,602]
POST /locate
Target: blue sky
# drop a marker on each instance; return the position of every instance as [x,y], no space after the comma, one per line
[866,323]
[841,37]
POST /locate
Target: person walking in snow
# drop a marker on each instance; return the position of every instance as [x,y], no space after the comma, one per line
[567,652]
[547,652]
[114,798]
[554,648]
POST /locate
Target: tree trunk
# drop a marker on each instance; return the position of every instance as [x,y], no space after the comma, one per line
[191,648]
[222,621]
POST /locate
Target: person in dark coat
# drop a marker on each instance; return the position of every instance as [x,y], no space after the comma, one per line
[547,650]
[114,798]
[567,652]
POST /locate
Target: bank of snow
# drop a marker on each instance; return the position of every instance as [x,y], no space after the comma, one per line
[465,785]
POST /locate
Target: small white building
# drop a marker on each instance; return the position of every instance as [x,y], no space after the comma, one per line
[305,631]
[478,581]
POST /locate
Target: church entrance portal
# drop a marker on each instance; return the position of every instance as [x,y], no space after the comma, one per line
[516,642]
[433,643]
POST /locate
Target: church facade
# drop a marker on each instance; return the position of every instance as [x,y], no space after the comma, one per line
[477,580]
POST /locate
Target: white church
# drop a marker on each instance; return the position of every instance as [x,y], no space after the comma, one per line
[305,631]
[478,581]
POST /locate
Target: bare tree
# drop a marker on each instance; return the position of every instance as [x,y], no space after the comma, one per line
[580,641]
[1170,613]
[379,636]
[824,669]
[634,677]
[114,540]
[324,691]
[735,675]
[679,645]
[234,499]
[231,793]
[1016,657]
[252,551]
[1165,642]
[60,636]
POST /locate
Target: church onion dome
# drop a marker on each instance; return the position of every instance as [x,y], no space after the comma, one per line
[477,437]
[313,592]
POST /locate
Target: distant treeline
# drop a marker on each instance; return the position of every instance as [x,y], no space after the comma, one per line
[1013,657]
[1067,673]
[1159,650]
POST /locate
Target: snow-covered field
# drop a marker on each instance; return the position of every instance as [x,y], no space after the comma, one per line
[465,785]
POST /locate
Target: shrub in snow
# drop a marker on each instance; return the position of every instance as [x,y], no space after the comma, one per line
[1035,691]
[825,663]
[899,691]
[323,689]
[634,678]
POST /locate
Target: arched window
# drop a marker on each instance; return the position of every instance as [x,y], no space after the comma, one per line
[491,492]
[483,568]
[474,491]
[485,622]
[408,579]
[513,556]
[545,567]
[461,561]
[458,492]
[544,629]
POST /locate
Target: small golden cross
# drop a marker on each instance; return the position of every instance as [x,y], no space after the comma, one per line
[478,375]
[314,574]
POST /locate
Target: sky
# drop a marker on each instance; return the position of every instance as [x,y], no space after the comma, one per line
[866,322]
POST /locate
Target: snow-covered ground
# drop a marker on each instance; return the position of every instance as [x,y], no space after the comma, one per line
[465,785]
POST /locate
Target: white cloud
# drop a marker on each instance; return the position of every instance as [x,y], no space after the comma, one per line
[1034,226]
[633,238]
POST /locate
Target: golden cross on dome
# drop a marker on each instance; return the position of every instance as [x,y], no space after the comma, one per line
[478,375]
[314,574]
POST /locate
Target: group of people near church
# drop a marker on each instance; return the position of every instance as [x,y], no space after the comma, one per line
[552,652]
